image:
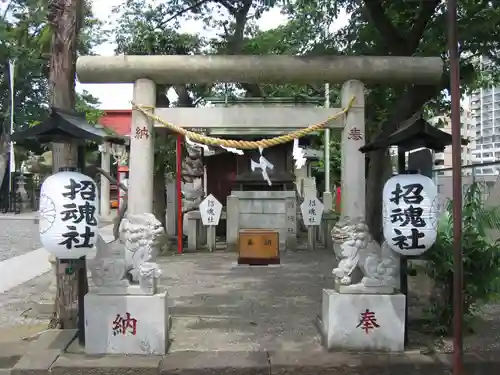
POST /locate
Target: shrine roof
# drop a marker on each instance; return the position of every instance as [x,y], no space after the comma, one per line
[62,125]
[414,133]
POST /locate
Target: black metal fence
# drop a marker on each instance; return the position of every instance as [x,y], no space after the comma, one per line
[11,198]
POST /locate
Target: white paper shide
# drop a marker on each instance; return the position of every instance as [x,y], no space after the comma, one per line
[410,213]
[68,215]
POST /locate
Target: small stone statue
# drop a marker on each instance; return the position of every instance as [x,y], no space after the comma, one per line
[126,265]
[364,265]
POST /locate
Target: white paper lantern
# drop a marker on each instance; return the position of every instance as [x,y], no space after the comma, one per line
[68,215]
[410,213]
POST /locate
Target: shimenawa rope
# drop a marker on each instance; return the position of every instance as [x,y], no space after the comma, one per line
[242,145]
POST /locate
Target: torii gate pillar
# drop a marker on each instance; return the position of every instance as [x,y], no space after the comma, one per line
[141,162]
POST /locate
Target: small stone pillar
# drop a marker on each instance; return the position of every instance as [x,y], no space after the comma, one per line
[328,201]
[141,163]
[353,161]
[106,166]
[171,219]
[232,222]
[291,223]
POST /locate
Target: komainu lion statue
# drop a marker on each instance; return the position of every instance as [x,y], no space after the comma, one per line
[143,236]
[363,262]
[130,260]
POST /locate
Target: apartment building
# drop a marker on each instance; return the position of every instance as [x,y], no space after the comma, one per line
[485,108]
[443,160]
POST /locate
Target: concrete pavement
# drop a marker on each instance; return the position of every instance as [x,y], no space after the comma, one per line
[20,269]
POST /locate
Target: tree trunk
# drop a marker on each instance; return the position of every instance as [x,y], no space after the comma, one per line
[379,170]
[65,19]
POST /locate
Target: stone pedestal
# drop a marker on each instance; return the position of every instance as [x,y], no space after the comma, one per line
[126,324]
[363,322]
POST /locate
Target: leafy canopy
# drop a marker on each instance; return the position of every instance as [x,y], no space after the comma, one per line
[25,37]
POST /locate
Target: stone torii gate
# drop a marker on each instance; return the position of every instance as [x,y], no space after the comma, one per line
[147,71]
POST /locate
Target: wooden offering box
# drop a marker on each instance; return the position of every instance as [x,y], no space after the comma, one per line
[258,247]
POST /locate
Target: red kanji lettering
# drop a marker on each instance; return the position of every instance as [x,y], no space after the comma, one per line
[368,321]
[125,325]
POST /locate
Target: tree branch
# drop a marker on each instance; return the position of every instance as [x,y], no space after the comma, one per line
[235,44]
[427,9]
[230,7]
[414,98]
[6,10]
[394,41]
[185,10]
[185,99]
[162,100]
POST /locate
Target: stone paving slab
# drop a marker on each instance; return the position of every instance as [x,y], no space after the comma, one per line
[75,364]
[217,305]
[215,363]
[49,360]
[40,355]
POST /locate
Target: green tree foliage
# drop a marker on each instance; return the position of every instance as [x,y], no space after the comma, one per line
[25,36]
[401,28]
[375,27]
[88,104]
[481,262]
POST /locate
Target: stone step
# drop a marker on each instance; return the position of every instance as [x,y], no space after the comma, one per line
[271,362]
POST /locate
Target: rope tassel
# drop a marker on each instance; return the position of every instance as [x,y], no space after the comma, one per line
[242,145]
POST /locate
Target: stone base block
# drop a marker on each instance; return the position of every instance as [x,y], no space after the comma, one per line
[363,322]
[126,324]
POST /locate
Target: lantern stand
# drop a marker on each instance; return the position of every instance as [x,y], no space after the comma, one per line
[403,260]
[414,133]
[70,127]
[78,265]
[81,265]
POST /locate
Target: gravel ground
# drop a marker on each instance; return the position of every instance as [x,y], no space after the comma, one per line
[217,305]
[15,302]
[17,237]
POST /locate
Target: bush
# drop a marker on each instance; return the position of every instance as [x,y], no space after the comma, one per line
[481,262]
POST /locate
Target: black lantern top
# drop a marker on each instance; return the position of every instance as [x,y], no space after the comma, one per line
[414,133]
[66,126]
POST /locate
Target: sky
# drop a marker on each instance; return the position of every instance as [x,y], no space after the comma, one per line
[118,96]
